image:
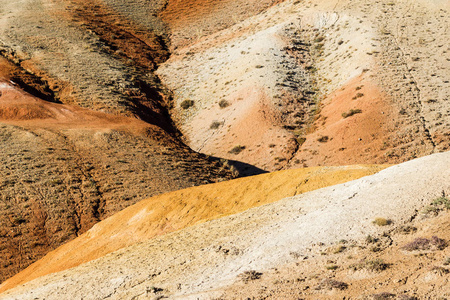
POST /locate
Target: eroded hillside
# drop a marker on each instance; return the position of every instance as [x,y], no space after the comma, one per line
[180,209]
[63,167]
[317,83]
[354,233]
[107,102]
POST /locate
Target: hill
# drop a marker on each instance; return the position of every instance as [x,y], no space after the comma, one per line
[357,233]
[107,102]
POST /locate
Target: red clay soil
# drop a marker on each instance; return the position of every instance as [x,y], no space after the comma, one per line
[191,20]
[353,126]
[18,107]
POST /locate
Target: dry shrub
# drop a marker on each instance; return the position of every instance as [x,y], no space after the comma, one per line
[330,284]
[425,244]
[371,265]
[250,275]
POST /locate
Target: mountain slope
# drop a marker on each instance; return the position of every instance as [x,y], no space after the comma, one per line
[174,211]
[289,84]
[106,102]
[64,168]
[211,255]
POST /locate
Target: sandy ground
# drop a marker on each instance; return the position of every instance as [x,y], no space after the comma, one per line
[418,274]
[214,254]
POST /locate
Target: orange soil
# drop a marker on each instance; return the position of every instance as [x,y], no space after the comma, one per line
[20,108]
[176,210]
[354,139]
[251,122]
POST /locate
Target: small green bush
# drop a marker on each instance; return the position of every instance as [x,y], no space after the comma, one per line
[441,201]
[437,205]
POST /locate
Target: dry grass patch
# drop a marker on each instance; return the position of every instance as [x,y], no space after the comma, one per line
[186,104]
[371,265]
[330,284]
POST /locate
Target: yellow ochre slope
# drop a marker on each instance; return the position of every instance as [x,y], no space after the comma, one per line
[180,209]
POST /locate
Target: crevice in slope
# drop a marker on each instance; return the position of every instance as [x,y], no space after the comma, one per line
[26,80]
[142,51]
[305,46]
[413,81]
[403,78]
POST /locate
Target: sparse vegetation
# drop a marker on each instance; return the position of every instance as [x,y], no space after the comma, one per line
[383,296]
[446,261]
[187,104]
[437,205]
[339,249]
[441,201]
[323,139]
[370,239]
[332,267]
[406,297]
[224,103]
[441,271]
[330,284]
[215,125]
[319,39]
[351,113]
[154,290]
[301,140]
